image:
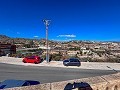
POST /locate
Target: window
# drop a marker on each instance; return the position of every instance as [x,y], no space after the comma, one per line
[32,57]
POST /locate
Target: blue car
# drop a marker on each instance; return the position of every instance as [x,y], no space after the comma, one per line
[72,62]
[17,83]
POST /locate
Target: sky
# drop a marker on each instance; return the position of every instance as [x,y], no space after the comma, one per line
[96,20]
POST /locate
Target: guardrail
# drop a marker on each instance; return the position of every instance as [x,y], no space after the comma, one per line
[106,82]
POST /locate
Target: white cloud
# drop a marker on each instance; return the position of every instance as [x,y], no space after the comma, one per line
[18,32]
[62,40]
[35,36]
[71,36]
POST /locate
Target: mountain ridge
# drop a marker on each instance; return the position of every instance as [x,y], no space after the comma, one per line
[7,39]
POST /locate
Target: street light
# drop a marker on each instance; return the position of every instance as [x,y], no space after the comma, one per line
[47,23]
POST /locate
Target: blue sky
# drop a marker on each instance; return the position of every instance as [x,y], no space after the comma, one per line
[97,20]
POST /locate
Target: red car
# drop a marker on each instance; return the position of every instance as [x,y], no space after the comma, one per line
[32,59]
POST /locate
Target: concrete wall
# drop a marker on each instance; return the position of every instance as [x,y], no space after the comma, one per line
[106,82]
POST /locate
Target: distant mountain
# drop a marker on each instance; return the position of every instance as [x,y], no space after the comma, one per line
[4,37]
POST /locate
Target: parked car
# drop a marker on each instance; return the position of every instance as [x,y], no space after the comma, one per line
[72,62]
[17,83]
[32,59]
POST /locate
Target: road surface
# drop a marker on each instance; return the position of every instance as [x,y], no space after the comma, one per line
[47,74]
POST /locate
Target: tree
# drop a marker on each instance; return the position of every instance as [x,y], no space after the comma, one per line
[56,57]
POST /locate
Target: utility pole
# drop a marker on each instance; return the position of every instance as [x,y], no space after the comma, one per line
[47,23]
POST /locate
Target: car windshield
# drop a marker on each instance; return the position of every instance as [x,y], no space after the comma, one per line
[66,60]
[32,57]
[74,60]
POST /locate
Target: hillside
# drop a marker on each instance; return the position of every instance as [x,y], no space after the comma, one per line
[6,39]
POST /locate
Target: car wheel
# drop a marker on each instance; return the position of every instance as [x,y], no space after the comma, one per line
[35,62]
[66,65]
[24,61]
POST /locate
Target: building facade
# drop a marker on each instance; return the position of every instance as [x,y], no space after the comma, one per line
[7,49]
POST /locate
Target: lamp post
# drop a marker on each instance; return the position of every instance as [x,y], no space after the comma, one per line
[47,23]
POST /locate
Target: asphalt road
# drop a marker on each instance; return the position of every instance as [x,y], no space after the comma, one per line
[47,74]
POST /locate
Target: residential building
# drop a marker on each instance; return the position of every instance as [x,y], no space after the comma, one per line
[72,53]
[7,49]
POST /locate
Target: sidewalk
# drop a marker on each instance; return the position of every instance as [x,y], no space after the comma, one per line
[84,65]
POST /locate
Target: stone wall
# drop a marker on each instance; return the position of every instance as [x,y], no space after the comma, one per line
[106,82]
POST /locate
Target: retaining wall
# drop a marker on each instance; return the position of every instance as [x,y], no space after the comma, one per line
[106,82]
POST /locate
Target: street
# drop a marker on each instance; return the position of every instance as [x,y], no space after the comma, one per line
[47,74]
